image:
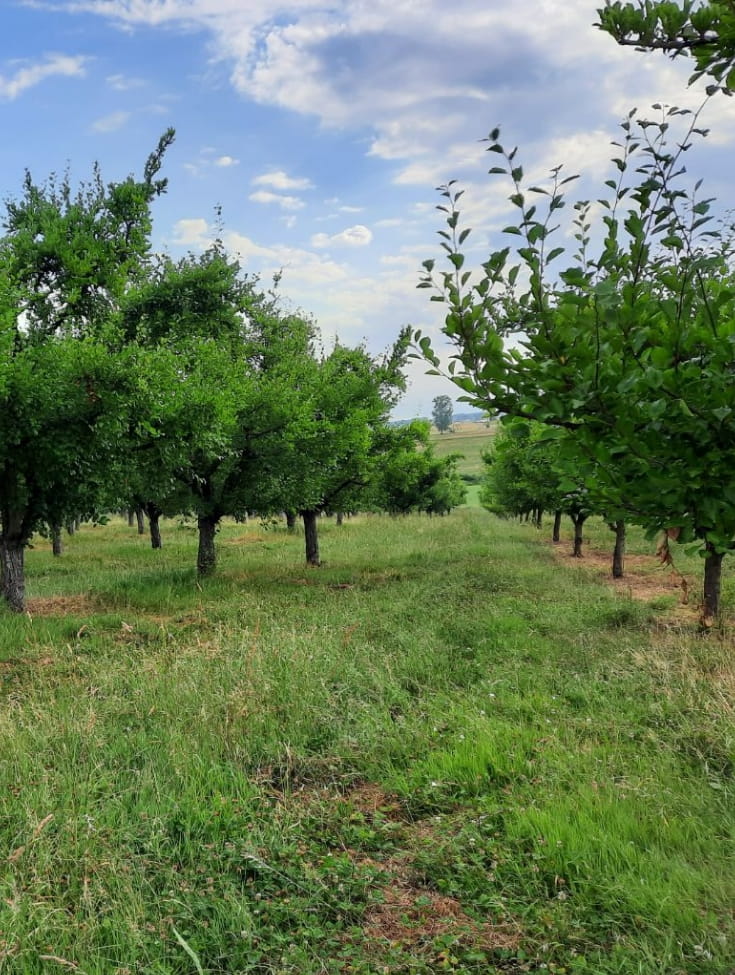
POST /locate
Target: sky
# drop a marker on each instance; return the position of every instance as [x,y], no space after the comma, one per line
[322,128]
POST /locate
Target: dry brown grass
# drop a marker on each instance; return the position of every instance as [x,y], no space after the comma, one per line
[645,580]
[78,605]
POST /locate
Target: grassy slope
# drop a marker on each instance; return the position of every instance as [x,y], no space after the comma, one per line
[441,752]
[470,440]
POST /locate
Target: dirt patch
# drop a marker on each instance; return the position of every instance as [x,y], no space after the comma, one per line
[412,915]
[246,540]
[17,663]
[370,799]
[409,913]
[405,913]
[364,797]
[81,605]
[645,580]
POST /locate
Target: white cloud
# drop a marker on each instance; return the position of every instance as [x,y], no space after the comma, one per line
[348,209]
[357,236]
[286,202]
[111,122]
[120,82]
[279,180]
[402,70]
[192,232]
[224,162]
[28,75]
[304,267]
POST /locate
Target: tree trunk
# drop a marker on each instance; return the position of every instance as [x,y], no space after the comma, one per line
[538,517]
[557,526]
[579,521]
[207,554]
[291,520]
[141,520]
[311,535]
[12,572]
[71,527]
[57,546]
[712,582]
[618,562]
[131,517]
[153,512]
[155,529]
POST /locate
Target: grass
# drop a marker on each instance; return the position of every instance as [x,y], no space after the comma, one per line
[445,750]
[470,440]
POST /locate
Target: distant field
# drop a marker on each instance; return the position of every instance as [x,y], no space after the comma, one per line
[470,440]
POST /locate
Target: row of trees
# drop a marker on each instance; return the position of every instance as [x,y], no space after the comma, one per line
[527,476]
[128,378]
[628,347]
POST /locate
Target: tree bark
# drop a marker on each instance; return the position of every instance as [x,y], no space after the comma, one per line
[712,584]
[57,546]
[207,554]
[291,520]
[340,517]
[140,517]
[153,512]
[557,526]
[579,521]
[618,562]
[131,517]
[155,529]
[12,572]
[311,536]
[538,517]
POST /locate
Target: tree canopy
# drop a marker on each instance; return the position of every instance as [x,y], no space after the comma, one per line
[629,344]
[442,413]
[66,392]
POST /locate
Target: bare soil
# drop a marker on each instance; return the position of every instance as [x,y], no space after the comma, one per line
[646,579]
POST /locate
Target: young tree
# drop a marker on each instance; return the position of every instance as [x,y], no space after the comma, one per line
[411,478]
[65,261]
[522,475]
[337,449]
[442,413]
[630,348]
[231,370]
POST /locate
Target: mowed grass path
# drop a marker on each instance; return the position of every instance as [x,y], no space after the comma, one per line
[442,751]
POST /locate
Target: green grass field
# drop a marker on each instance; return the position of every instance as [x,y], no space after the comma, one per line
[447,750]
[470,440]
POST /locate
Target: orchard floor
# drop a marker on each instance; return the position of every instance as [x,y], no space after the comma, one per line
[450,749]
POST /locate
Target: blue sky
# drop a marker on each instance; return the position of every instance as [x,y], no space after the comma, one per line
[322,127]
